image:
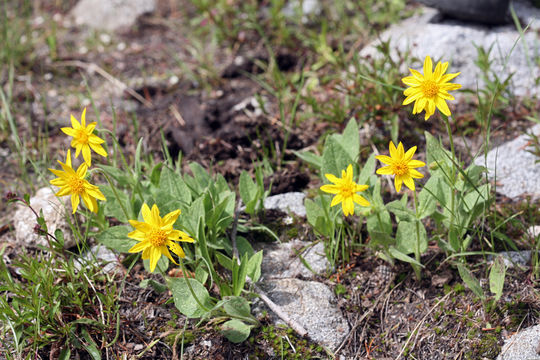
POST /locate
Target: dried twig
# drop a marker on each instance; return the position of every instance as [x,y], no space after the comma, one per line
[92,67]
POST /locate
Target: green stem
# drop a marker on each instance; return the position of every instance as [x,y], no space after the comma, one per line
[185,273]
[452,178]
[417,247]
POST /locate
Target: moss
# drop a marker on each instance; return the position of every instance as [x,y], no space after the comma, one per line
[487,347]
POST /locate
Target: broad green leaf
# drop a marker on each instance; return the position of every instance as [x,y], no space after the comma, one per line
[367,170]
[254,266]
[427,198]
[65,354]
[201,274]
[335,157]
[224,260]
[184,300]
[406,237]
[469,280]
[477,197]
[435,153]
[248,192]
[244,247]
[112,207]
[116,238]
[496,277]
[317,217]
[235,330]
[311,158]
[401,211]
[171,185]
[237,306]
[122,177]
[158,287]
[350,140]
[201,176]
[403,257]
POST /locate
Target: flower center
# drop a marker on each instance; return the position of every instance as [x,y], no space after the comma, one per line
[347,190]
[157,237]
[83,136]
[400,168]
[430,88]
[76,184]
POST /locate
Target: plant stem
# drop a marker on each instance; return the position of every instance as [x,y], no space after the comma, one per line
[452,179]
[417,247]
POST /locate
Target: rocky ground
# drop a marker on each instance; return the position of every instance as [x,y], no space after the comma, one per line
[140,58]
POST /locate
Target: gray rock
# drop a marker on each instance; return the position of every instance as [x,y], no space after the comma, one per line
[456,42]
[312,305]
[102,255]
[485,11]
[514,168]
[522,346]
[511,258]
[281,260]
[54,212]
[534,231]
[308,7]
[110,14]
[293,202]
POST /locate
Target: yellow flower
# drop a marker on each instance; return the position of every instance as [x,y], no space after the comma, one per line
[156,235]
[83,139]
[72,183]
[345,190]
[402,165]
[431,89]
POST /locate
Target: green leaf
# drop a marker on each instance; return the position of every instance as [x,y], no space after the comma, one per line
[90,346]
[403,257]
[471,282]
[224,260]
[476,197]
[200,174]
[496,277]
[117,174]
[317,218]
[428,197]
[201,274]
[158,287]
[239,275]
[367,170]
[184,300]
[116,238]
[335,157]
[112,207]
[248,192]
[237,306]
[236,331]
[350,140]
[65,354]
[406,237]
[311,158]
[172,185]
[254,266]
[401,211]
[435,153]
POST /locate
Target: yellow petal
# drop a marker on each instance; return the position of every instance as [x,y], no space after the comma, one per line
[74,123]
[336,200]
[75,202]
[442,106]
[146,213]
[415,174]
[409,154]
[332,189]
[397,182]
[98,149]
[177,249]
[83,118]
[332,178]
[410,81]
[155,255]
[170,218]
[384,159]
[415,164]
[138,247]
[166,252]
[387,170]
[428,66]
[359,188]
[69,131]
[87,155]
[360,200]
[409,182]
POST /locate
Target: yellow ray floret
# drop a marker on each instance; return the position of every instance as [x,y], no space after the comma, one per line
[84,139]
[156,235]
[345,190]
[402,165]
[430,90]
[73,183]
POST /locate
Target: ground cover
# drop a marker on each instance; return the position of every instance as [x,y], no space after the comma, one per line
[258,94]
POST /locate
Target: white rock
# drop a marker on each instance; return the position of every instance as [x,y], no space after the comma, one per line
[515,169]
[281,260]
[312,305]
[102,255]
[293,202]
[522,346]
[24,220]
[110,14]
